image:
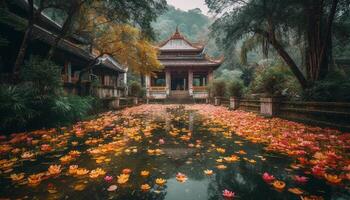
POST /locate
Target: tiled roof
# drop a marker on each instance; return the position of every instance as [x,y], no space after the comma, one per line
[109,62]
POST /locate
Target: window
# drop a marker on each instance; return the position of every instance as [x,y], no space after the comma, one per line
[158,80]
[200,79]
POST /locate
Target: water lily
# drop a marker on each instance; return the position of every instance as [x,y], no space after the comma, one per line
[97,173]
[112,188]
[221,166]
[181,177]
[73,169]
[160,181]
[144,173]
[334,179]
[74,153]
[279,185]
[108,178]
[82,171]
[27,155]
[220,150]
[267,177]
[296,191]
[54,169]
[300,179]
[228,194]
[123,178]
[145,187]
[35,179]
[126,171]
[208,172]
[161,141]
[17,177]
[46,148]
[66,159]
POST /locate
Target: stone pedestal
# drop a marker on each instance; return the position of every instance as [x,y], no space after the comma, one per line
[269,106]
[217,101]
[234,103]
[115,103]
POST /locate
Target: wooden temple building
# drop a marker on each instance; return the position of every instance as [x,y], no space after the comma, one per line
[105,80]
[187,70]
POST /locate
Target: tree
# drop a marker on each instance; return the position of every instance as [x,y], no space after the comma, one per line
[278,21]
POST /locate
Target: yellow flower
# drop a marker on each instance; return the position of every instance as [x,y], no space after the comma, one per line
[17,177]
[145,187]
[97,172]
[220,150]
[208,172]
[34,179]
[123,178]
[54,169]
[160,181]
[73,169]
[280,185]
[144,173]
[27,155]
[335,179]
[82,171]
[66,159]
[221,166]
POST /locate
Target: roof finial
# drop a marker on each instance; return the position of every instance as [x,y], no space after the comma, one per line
[177,29]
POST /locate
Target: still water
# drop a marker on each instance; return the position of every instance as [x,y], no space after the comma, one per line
[188,144]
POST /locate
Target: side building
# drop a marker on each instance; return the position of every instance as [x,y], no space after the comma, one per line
[106,79]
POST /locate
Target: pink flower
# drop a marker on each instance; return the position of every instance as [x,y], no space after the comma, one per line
[317,170]
[161,141]
[300,179]
[108,178]
[228,194]
[267,177]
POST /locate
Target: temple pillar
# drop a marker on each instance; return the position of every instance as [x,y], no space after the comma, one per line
[148,84]
[190,82]
[167,82]
[210,77]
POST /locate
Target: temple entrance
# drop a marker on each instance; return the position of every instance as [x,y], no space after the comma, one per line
[179,81]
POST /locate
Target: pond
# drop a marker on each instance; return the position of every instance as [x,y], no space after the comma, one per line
[166,152]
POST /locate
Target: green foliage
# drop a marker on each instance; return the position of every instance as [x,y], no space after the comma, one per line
[275,79]
[38,101]
[135,89]
[218,88]
[235,88]
[334,88]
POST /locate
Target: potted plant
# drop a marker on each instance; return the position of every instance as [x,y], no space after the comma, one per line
[135,91]
[218,89]
[271,82]
[235,90]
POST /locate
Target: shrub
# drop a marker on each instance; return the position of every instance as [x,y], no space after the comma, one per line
[335,87]
[218,88]
[135,89]
[235,88]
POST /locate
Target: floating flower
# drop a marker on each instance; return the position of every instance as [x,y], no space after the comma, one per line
[112,188]
[300,179]
[145,187]
[161,141]
[74,153]
[54,169]
[123,178]
[46,148]
[279,185]
[27,155]
[221,166]
[160,181]
[34,179]
[66,159]
[97,173]
[334,179]
[108,178]
[181,177]
[220,150]
[73,169]
[79,187]
[82,171]
[126,171]
[296,191]
[228,194]
[267,177]
[208,172]
[17,177]
[144,173]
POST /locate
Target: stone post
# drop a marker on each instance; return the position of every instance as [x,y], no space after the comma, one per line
[217,101]
[269,106]
[148,85]
[190,82]
[167,82]
[115,103]
[135,100]
[234,103]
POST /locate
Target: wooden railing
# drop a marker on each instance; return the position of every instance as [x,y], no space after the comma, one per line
[200,88]
[156,89]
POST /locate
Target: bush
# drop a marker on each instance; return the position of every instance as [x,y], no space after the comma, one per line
[236,88]
[135,89]
[335,87]
[38,101]
[218,88]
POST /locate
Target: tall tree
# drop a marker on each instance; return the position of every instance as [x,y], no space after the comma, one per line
[276,21]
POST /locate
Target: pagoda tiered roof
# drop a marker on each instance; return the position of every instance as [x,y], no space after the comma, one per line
[178,51]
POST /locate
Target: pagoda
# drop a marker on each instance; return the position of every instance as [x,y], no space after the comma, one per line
[187,70]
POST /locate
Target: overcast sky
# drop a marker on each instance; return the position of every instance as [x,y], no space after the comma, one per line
[189,4]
